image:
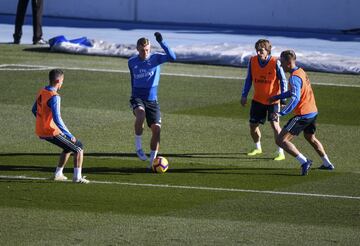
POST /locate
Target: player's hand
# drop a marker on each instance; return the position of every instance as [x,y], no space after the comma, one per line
[283,102]
[243,101]
[271,100]
[73,139]
[158,37]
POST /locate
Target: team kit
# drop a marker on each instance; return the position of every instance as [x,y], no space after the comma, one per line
[274,96]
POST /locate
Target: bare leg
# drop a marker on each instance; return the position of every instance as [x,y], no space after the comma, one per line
[275,125]
[78,159]
[255,132]
[139,120]
[59,176]
[315,143]
[64,157]
[155,138]
[284,141]
[155,142]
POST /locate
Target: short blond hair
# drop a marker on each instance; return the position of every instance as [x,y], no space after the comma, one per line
[142,42]
[288,55]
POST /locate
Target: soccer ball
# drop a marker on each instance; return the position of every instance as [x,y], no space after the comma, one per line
[160,165]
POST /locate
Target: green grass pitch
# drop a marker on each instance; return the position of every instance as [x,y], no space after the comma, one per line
[204,136]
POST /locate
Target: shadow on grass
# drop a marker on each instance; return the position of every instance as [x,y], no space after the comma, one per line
[43,49]
[239,155]
[135,170]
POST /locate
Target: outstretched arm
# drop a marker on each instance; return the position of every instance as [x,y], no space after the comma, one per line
[170,55]
[54,104]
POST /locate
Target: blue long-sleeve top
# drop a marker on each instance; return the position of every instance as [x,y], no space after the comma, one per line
[280,74]
[145,74]
[294,93]
[54,104]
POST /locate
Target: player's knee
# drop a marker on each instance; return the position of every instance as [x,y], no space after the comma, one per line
[156,129]
[79,151]
[139,113]
[279,140]
[310,137]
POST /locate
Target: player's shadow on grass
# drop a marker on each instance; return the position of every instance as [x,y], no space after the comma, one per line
[238,155]
[245,171]
[136,169]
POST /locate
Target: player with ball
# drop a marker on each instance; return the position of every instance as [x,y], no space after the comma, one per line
[145,76]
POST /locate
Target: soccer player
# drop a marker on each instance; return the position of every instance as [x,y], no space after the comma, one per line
[303,104]
[145,75]
[50,127]
[265,72]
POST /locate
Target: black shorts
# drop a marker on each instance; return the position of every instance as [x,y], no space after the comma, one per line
[65,143]
[259,111]
[296,125]
[152,110]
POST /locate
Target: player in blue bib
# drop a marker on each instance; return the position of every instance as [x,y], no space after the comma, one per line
[145,76]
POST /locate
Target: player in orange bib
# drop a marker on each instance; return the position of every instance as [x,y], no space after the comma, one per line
[268,78]
[304,106]
[50,127]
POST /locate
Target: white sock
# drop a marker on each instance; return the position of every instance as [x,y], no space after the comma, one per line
[258,145]
[153,155]
[59,171]
[281,151]
[326,161]
[77,173]
[301,158]
[138,142]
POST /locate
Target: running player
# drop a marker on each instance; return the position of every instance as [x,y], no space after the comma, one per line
[265,72]
[145,75]
[303,104]
[50,127]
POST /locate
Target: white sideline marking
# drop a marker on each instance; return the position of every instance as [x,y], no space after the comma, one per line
[24,67]
[196,188]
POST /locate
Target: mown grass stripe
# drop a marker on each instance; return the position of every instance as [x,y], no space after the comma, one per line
[198,188]
[25,67]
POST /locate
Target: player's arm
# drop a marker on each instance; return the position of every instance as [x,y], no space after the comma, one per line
[54,104]
[296,84]
[131,73]
[169,53]
[34,109]
[247,86]
[283,81]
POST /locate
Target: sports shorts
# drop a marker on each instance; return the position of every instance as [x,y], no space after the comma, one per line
[152,110]
[259,112]
[297,124]
[65,143]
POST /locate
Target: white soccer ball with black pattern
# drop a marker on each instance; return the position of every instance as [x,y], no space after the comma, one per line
[160,165]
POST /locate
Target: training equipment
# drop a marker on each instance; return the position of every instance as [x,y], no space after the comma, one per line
[82,180]
[280,157]
[142,156]
[306,167]
[255,152]
[60,177]
[330,167]
[160,165]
